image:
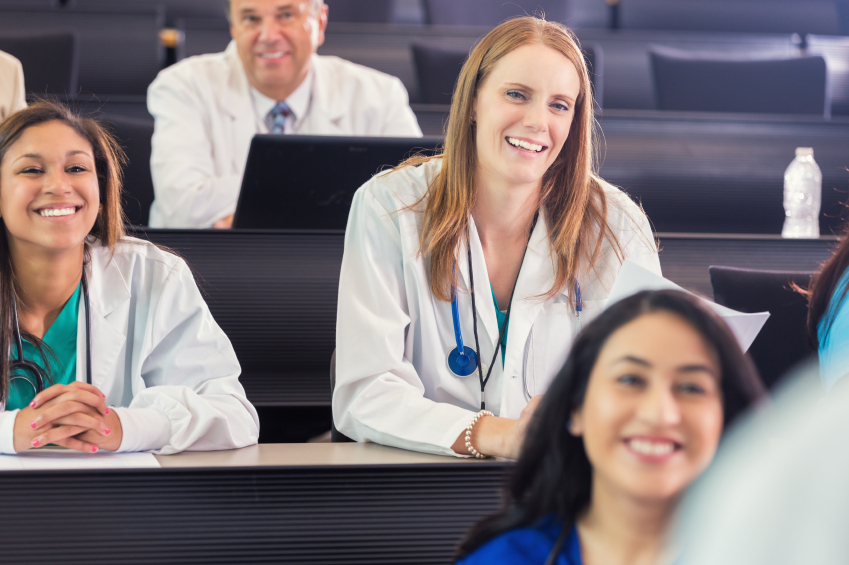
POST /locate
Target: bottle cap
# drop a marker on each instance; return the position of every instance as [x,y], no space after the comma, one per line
[804,152]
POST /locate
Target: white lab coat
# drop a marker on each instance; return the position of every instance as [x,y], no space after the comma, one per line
[158,356]
[205,120]
[393,385]
[12,94]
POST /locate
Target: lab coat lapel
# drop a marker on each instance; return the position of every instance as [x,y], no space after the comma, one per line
[535,279]
[327,109]
[238,106]
[483,294]
[108,291]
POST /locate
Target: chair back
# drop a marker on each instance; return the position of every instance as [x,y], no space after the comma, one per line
[782,343]
[274,293]
[120,52]
[737,16]
[50,61]
[698,83]
[134,135]
[438,67]
[372,11]
[490,13]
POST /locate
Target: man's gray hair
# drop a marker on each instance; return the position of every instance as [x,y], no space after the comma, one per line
[315,6]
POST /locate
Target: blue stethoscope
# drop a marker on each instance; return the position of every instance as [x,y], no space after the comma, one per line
[463,360]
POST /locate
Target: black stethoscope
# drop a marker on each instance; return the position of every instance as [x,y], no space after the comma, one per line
[22,365]
[463,360]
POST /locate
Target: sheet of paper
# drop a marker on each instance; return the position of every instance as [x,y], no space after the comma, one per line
[53,458]
[633,278]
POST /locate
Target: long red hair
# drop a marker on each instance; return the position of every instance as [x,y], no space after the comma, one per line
[572,195]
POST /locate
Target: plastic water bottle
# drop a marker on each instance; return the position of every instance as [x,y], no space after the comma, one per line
[802,196]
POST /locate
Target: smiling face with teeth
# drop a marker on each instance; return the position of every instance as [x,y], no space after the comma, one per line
[652,416]
[49,193]
[275,40]
[523,113]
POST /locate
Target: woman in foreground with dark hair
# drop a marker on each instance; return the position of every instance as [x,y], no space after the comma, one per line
[633,418]
[828,315]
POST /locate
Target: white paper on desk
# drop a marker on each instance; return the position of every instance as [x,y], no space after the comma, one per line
[50,458]
[633,278]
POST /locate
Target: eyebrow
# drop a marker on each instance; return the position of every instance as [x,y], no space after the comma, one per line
[38,156]
[526,87]
[636,360]
[692,368]
[696,368]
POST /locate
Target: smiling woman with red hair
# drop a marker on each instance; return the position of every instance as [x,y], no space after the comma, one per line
[508,237]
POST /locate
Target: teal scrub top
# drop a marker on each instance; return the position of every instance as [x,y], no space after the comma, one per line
[61,338]
[500,316]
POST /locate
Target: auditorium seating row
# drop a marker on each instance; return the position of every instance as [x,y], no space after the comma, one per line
[284,330]
[120,51]
[622,57]
[830,17]
[690,172]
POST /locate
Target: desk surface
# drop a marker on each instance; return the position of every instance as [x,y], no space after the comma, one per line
[321,504]
[312,454]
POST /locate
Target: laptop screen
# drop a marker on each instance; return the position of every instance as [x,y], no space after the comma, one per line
[308,182]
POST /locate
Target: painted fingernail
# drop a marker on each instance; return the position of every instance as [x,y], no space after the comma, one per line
[31,404]
[107,430]
[93,449]
[103,395]
[33,424]
[107,410]
[35,442]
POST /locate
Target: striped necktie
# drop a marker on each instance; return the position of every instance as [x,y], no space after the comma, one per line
[278,116]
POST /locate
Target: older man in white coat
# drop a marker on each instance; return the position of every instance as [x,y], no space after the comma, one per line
[12,95]
[268,80]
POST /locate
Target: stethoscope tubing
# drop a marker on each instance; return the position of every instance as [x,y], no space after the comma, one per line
[21,363]
[579,307]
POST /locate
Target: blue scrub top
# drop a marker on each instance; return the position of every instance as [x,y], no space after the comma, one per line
[528,546]
[834,348]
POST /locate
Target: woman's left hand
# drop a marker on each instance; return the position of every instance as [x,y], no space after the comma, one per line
[61,404]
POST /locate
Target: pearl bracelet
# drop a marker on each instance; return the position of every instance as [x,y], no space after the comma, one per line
[471,425]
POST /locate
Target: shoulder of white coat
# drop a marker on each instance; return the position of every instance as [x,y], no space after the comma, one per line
[400,188]
[133,256]
[353,75]
[207,68]
[9,62]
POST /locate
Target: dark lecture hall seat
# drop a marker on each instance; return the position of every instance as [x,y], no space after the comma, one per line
[120,50]
[50,61]
[437,69]
[782,343]
[700,82]
[134,135]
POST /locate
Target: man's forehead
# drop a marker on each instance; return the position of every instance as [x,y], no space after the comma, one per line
[247,5]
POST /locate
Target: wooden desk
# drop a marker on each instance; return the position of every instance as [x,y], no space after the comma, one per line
[272,503]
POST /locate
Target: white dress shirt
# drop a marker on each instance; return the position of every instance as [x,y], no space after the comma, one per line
[298,103]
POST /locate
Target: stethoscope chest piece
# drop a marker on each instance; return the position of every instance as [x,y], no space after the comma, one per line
[462,365]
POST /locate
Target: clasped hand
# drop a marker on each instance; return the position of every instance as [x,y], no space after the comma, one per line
[74,416]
